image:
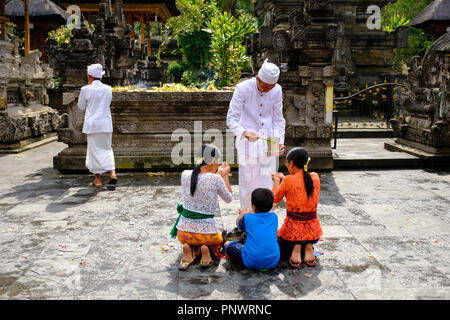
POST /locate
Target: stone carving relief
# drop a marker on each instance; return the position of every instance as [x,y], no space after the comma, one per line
[426,99]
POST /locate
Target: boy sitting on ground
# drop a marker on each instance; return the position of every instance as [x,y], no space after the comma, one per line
[261,250]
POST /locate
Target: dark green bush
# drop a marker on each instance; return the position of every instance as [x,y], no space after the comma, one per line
[176,70]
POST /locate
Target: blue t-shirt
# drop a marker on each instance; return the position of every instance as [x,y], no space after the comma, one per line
[261,250]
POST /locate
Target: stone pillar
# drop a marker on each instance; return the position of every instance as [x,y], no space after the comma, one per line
[3,78]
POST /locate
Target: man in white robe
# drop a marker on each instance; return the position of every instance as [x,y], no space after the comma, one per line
[256,114]
[96,98]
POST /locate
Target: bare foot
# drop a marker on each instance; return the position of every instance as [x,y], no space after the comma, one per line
[112,174]
[97,182]
[309,258]
[187,253]
[206,257]
[296,256]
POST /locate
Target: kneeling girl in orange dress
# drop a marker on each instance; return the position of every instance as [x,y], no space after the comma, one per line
[301,226]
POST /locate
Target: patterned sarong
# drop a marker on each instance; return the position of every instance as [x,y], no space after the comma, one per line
[213,241]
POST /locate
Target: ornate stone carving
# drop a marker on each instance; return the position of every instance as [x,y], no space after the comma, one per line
[426,101]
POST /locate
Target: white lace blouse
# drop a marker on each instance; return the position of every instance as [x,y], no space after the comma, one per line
[204,201]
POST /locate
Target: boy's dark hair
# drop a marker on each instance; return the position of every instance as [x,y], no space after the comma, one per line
[262,199]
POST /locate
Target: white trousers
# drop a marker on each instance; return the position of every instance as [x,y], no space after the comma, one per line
[255,169]
[100,156]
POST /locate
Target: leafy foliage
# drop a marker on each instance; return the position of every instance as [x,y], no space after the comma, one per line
[201,46]
[394,22]
[61,35]
[228,51]
[176,70]
[195,47]
[12,31]
[418,41]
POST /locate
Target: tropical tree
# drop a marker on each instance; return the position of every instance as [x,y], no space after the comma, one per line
[400,13]
[194,14]
[227,44]
[236,7]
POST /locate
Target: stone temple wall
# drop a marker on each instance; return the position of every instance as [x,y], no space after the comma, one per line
[149,126]
[143,123]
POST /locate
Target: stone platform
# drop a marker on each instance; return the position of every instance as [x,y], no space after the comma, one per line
[148,126]
[385,237]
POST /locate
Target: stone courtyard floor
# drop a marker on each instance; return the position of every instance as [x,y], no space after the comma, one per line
[386,236]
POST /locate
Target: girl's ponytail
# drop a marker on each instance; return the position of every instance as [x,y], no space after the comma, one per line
[309,185]
[194,178]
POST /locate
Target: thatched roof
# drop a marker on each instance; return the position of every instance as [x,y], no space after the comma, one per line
[170,4]
[437,12]
[443,43]
[36,8]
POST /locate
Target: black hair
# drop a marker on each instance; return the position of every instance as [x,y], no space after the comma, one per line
[207,153]
[299,157]
[262,199]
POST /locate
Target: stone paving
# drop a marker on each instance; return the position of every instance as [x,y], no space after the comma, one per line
[386,236]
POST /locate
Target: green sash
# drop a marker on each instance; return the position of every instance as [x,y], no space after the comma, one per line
[188,214]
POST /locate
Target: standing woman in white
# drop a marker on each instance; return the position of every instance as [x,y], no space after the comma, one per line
[96,98]
[255,114]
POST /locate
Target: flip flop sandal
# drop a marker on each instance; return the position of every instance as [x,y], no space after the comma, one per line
[112,181]
[183,266]
[295,265]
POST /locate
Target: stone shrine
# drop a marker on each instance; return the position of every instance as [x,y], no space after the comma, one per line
[425,130]
[25,117]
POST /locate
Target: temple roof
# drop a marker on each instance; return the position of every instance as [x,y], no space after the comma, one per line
[437,12]
[170,4]
[35,8]
[443,43]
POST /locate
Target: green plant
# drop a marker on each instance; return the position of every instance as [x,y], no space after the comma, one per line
[58,82]
[194,14]
[195,47]
[61,35]
[91,27]
[12,31]
[189,77]
[394,22]
[418,41]
[176,70]
[228,50]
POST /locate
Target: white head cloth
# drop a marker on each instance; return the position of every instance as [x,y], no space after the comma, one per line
[269,72]
[96,70]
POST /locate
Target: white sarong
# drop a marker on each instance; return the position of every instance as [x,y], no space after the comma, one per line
[255,168]
[100,156]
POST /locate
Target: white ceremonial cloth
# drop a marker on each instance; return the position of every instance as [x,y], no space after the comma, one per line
[100,156]
[96,100]
[262,113]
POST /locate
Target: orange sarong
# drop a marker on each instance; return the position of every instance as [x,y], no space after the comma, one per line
[213,241]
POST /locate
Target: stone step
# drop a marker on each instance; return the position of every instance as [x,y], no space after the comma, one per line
[364,133]
[360,163]
[362,153]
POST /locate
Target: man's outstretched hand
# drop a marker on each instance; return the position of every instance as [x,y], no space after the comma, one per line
[282,149]
[250,135]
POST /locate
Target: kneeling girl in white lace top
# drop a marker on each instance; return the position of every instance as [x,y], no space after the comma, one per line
[196,228]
